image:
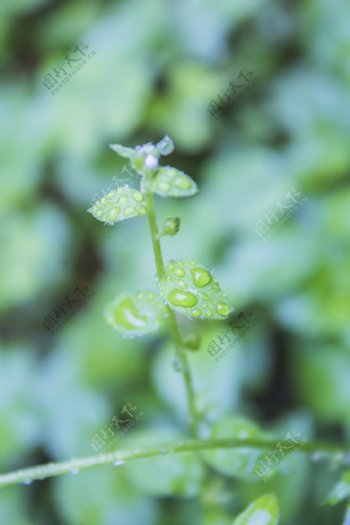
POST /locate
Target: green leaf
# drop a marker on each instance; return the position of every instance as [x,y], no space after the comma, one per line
[136,314]
[165,146]
[170,182]
[119,205]
[191,290]
[341,491]
[238,463]
[128,153]
[263,511]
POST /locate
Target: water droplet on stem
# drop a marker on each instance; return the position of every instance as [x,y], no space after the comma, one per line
[118,463]
[177,365]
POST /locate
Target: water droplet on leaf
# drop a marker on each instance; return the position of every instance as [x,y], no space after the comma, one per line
[193,289]
[136,314]
[201,277]
[182,182]
[222,309]
[114,214]
[164,186]
[182,298]
[127,315]
[137,196]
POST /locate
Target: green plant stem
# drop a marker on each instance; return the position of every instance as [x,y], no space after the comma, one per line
[154,235]
[121,456]
[179,347]
[182,357]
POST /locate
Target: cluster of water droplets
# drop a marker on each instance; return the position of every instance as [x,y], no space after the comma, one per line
[118,205]
[193,291]
[171,182]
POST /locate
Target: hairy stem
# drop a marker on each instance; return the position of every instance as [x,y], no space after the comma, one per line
[118,458]
[179,347]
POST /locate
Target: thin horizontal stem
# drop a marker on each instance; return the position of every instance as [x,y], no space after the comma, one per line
[117,458]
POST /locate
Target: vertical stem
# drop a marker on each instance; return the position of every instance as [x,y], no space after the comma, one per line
[182,357]
[154,234]
[180,352]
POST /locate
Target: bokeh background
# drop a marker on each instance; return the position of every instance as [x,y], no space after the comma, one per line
[156,67]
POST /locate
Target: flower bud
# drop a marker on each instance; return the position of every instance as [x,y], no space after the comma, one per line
[171,226]
[151,162]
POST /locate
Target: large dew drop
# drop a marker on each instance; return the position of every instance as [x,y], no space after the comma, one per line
[137,196]
[180,272]
[201,277]
[127,316]
[164,186]
[114,214]
[182,298]
[128,211]
[222,309]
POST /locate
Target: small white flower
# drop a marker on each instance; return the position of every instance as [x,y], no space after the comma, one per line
[151,162]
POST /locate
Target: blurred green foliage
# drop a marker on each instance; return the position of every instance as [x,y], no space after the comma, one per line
[156,68]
